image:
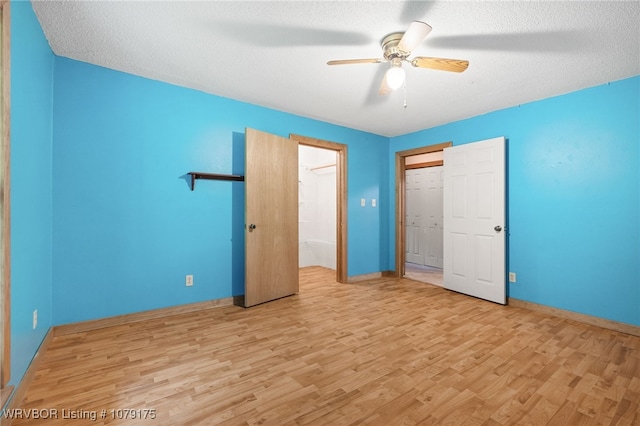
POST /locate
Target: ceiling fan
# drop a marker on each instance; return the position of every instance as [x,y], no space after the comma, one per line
[396,48]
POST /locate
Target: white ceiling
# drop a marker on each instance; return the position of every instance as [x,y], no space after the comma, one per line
[274,53]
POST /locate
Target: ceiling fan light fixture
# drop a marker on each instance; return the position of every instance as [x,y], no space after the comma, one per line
[395,76]
[396,49]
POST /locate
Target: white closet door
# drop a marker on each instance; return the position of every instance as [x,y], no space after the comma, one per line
[413,217]
[432,207]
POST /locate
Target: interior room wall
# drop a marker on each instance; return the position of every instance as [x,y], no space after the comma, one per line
[31,183]
[317,207]
[573,194]
[127,228]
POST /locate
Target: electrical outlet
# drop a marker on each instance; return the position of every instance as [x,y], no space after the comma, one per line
[188,280]
[512,277]
[373,202]
[363,202]
[35,319]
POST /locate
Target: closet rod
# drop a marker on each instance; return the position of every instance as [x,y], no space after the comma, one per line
[322,167]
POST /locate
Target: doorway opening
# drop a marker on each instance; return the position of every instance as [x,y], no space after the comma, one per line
[340,155]
[316,207]
[424,217]
[419,169]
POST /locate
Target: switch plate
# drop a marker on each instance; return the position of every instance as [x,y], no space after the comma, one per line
[373,202]
[512,277]
[188,281]
[363,202]
[35,319]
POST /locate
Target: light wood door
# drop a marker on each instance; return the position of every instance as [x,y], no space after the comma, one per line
[474,219]
[271,217]
[413,218]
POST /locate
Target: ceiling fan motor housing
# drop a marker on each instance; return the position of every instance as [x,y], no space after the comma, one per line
[390,47]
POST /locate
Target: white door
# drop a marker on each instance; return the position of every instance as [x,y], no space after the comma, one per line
[474,219]
[433,222]
[413,218]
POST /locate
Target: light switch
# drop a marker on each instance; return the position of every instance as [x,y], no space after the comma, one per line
[363,202]
[373,202]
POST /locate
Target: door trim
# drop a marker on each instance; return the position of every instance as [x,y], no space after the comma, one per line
[400,199]
[341,199]
[5,248]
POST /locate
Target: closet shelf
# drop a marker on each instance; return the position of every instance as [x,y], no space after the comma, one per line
[212,176]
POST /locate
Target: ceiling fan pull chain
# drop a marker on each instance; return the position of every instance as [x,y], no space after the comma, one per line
[405,94]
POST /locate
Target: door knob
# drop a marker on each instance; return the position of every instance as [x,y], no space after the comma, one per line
[252,227]
[497,228]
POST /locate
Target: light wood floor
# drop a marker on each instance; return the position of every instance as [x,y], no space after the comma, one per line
[384,352]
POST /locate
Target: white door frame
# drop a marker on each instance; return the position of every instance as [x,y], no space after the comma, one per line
[400,199]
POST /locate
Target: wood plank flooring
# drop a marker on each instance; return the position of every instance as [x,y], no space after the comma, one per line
[383,352]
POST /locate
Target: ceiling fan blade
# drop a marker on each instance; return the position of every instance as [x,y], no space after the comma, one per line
[414,35]
[355,61]
[442,64]
[385,89]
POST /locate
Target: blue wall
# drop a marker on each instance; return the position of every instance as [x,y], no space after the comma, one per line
[31,185]
[127,228]
[573,196]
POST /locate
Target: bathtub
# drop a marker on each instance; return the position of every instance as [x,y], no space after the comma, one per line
[317,253]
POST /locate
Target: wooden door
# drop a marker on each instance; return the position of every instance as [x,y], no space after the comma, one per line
[474,219]
[271,217]
[413,218]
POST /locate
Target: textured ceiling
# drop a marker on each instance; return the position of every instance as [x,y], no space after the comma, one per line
[274,53]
